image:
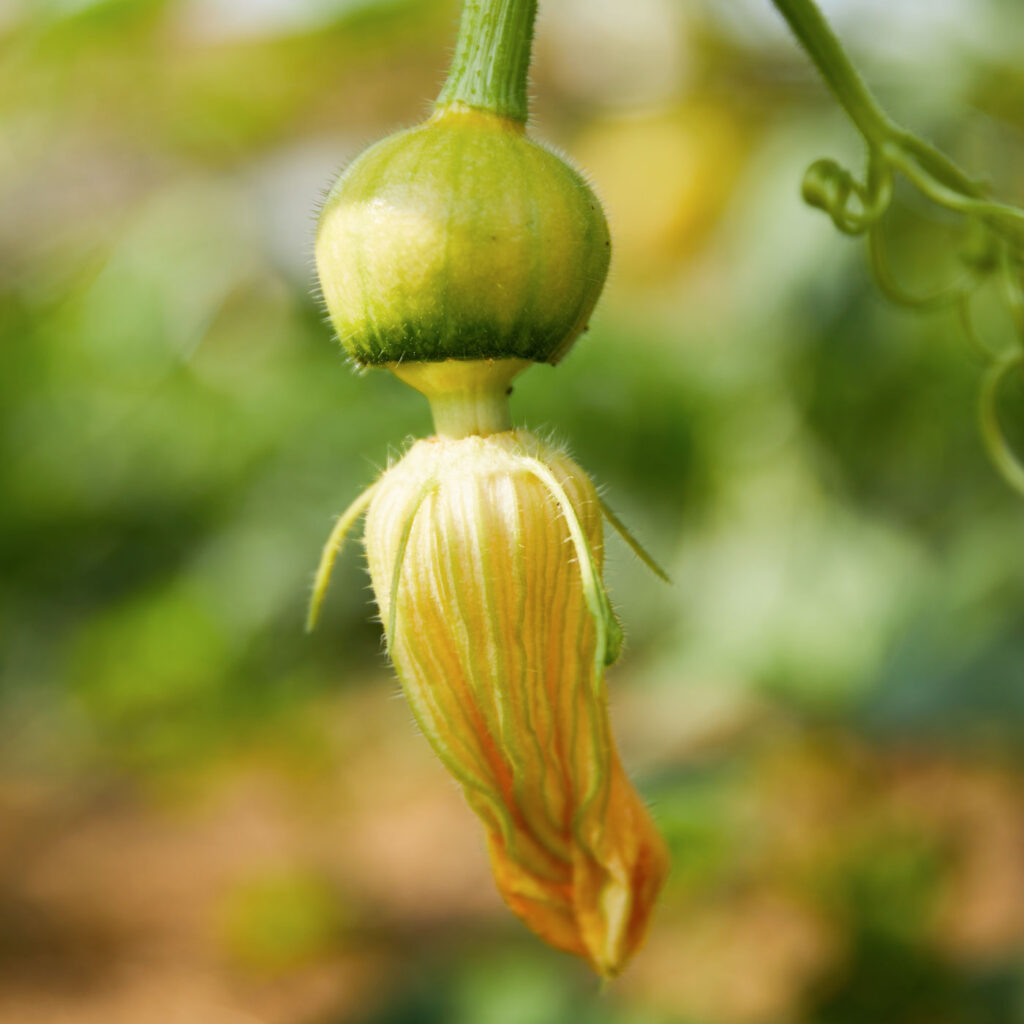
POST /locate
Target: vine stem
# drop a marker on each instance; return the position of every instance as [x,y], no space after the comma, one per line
[492,58]
[931,171]
[809,26]
[892,148]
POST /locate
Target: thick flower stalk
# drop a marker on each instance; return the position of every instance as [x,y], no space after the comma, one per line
[456,254]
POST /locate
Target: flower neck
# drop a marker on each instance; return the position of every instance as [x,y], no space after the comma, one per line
[467,397]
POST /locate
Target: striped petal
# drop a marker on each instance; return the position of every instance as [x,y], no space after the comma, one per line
[485,556]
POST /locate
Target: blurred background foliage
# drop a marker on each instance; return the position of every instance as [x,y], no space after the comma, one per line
[208,816]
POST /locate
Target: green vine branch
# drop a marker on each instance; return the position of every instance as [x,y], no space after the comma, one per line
[857,206]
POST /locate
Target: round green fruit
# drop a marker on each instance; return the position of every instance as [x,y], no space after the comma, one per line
[460,239]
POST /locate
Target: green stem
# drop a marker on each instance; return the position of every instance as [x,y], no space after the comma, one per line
[890,148]
[1004,219]
[817,38]
[940,166]
[879,130]
[492,58]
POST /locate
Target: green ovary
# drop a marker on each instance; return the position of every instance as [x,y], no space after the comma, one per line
[460,239]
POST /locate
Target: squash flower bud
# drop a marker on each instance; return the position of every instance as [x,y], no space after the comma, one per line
[456,254]
[485,556]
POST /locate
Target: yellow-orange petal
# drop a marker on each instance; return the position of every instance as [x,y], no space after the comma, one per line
[487,592]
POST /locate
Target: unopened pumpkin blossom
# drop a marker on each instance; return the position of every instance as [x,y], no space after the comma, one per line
[456,254]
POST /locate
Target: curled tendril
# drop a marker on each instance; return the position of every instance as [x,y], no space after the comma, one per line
[895,292]
[1011,273]
[853,206]
[981,347]
[996,230]
[995,248]
[1006,460]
